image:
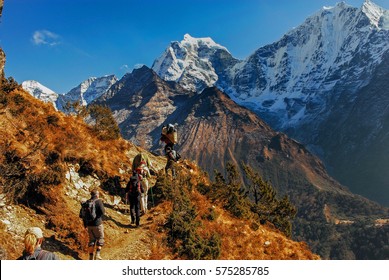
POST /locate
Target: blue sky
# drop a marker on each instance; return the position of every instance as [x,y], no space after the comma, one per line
[61,43]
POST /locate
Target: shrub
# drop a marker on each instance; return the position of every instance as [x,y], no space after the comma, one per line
[228,192]
[267,206]
[105,125]
[183,234]
[8,85]
[183,222]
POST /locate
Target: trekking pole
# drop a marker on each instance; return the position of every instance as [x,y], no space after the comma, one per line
[152,196]
[126,211]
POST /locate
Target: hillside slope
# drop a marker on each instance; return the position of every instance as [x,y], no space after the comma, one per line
[50,161]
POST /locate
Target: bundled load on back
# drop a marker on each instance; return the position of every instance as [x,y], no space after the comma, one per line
[169,134]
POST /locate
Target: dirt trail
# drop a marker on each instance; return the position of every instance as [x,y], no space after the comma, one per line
[124,241]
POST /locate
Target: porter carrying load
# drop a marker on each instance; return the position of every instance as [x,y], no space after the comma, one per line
[169,134]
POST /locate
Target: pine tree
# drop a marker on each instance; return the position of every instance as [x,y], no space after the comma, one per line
[230,192]
[105,125]
[267,206]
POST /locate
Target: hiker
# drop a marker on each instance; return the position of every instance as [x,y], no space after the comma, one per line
[171,156]
[169,137]
[33,239]
[134,190]
[95,226]
[142,165]
[169,134]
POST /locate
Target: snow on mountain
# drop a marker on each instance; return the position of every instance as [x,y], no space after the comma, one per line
[91,89]
[84,93]
[336,48]
[310,84]
[288,82]
[191,62]
[40,91]
[377,15]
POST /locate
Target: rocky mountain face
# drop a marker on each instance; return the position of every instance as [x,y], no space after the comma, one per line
[357,143]
[195,63]
[314,74]
[141,103]
[87,91]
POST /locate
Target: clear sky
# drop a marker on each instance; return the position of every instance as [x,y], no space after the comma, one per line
[61,43]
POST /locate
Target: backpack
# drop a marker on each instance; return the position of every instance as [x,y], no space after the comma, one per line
[174,155]
[142,168]
[169,134]
[88,211]
[134,187]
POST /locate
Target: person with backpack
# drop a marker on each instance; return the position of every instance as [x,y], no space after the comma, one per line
[142,165]
[92,212]
[33,240]
[172,157]
[134,190]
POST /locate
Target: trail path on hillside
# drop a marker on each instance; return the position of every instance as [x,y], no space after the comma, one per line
[122,240]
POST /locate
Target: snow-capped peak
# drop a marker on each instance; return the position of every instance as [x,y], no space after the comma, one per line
[197,42]
[91,89]
[190,62]
[35,87]
[377,15]
[39,91]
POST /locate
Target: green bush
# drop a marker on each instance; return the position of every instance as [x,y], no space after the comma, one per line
[183,222]
[228,192]
[183,236]
[267,206]
[105,125]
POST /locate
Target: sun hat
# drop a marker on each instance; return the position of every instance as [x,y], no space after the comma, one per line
[36,231]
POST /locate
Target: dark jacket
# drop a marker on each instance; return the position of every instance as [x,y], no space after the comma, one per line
[39,254]
[170,153]
[134,186]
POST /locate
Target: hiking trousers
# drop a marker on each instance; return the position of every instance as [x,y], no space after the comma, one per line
[170,165]
[96,235]
[144,196]
[135,209]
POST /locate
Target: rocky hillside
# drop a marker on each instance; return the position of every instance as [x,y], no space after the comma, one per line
[49,162]
[141,102]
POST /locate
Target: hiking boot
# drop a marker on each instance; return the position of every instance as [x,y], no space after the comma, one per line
[90,256]
[98,256]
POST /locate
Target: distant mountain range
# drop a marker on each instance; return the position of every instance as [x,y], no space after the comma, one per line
[323,84]
[84,93]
